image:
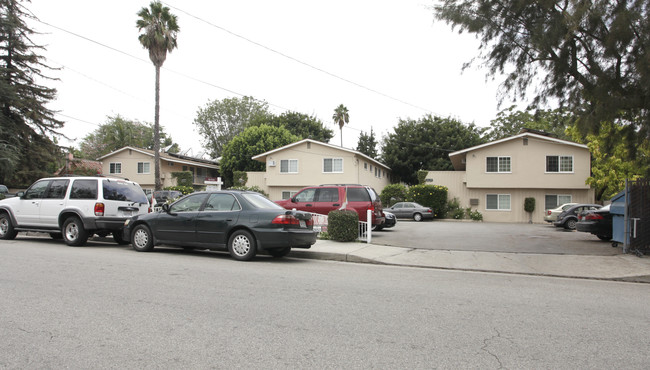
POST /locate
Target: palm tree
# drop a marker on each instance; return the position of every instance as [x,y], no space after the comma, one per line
[159,37]
[341,116]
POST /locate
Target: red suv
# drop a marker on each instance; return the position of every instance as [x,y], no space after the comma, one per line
[325,198]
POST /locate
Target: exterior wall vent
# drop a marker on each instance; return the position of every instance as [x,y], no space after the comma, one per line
[473,202]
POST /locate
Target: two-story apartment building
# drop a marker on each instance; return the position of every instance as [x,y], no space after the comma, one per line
[310,162]
[137,165]
[495,178]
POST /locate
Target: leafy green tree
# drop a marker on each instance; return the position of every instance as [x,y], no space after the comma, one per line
[119,132]
[254,140]
[221,120]
[159,37]
[28,148]
[368,144]
[341,116]
[425,144]
[592,56]
[510,122]
[299,124]
[610,164]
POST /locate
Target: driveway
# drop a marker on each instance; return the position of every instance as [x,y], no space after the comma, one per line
[492,237]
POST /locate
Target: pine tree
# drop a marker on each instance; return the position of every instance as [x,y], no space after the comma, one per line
[26,148]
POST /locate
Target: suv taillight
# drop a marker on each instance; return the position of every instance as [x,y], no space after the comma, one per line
[99,209]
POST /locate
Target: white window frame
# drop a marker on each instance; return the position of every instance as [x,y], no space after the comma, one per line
[499,169]
[291,193]
[499,202]
[559,164]
[333,168]
[143,172]
[289,162]
[112,168]
[557,199]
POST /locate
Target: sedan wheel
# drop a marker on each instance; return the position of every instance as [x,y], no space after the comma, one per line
[142,239]
[417,217]
[241,245]
[570,224]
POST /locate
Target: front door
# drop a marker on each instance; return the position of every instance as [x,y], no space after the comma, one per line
[28,210]
[178,225]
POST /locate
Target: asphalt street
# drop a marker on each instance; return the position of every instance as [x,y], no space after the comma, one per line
[107,306]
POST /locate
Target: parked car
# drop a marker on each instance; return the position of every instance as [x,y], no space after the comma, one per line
[242,222]
[551,214]
[389,221]
[73,208]
[4,192]
[325,198]
[597,222]
[412,210]
[569,218]
[162,196]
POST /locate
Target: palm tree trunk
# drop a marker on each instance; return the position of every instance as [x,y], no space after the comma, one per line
[156,133]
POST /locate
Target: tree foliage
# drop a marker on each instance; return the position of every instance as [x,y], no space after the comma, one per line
[425,144]
[368,144]
[159,29]
[593,56]
[119,132]
[219,121]
[254,140]
[341,116]
[28,148]
[299,124]
[510,122]
[392,194]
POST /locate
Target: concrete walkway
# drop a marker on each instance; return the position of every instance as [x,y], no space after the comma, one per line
[622,267]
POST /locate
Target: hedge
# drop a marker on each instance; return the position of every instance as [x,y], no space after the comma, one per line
[433,196]
[343,226]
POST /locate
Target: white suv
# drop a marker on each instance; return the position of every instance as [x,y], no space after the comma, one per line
[73,208]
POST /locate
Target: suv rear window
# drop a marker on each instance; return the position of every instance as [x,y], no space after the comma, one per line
[123,191]
[358,195]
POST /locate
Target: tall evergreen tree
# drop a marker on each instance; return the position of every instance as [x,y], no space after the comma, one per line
[28,126]
[159,37]
[368,144]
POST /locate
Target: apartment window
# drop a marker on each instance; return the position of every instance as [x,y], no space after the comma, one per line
[144,167]
[559,163]
[498,164]
[288,194]
[555,200]
[500,202]
[199,171]
[115,167]
[365,165]
[289,166]
[333,165]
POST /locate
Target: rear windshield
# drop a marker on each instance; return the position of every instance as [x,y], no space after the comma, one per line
[259,201]
[123,191]
[358,195]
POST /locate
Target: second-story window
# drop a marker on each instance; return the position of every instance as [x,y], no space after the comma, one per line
[289,166]
[144,167]
[559,163]
[333,165]
[498,164]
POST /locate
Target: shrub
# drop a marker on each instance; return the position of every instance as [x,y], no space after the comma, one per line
[183,178]
[183,189]
[422,176]
[343,226]
[392,194]
[250,188]
[452,206]
[239,179]
[432,196]
[529,204]
[474,215]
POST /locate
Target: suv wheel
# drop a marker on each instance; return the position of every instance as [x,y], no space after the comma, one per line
[241,245]
[7,231]
[73,231]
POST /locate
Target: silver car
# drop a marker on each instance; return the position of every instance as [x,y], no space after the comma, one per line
[551,214]
[412,210]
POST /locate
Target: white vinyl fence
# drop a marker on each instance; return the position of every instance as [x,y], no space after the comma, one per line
[365,232]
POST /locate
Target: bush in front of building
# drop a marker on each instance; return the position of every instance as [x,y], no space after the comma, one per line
[183,189]
[343,226]
[392,194]
[432,196]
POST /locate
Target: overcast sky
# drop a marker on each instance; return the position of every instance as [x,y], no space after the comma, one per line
[384,60]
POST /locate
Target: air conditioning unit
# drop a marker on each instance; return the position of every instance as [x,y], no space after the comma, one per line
[271,163]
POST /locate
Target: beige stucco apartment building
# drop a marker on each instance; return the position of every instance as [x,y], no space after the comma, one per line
[137,165]
[495,178]
[310,162]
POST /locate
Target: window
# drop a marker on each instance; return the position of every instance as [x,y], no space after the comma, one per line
[191,203]
[144,167]
[199,171]
[358,195]
[84,189]
[365,165]
[333,165]
[306,195]
[37,191]
[559,163]
[288,194]
[289,166]
[555,200]
[115,167]
[57,189]
[222,202]
[328,195]
[499,202]
[498,164]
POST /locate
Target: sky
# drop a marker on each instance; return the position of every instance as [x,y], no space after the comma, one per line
[384,60]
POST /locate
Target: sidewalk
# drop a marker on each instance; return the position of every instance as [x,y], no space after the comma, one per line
[625,267]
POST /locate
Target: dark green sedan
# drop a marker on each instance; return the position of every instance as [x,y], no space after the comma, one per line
[241,222]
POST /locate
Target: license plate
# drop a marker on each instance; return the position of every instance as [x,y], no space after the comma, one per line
[303,223]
